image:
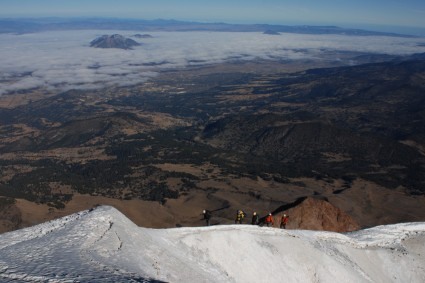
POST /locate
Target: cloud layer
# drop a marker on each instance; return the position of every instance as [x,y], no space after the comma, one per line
[63,60]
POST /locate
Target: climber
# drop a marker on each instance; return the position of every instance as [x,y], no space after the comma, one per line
[239,216]
[255,219]
[269,220]
[207,216]
[284,221]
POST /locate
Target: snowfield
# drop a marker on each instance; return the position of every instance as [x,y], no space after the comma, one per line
[102,245]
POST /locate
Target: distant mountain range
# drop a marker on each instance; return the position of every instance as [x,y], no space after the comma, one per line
[28,25]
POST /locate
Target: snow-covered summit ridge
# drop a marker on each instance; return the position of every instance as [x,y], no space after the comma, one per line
[102,245]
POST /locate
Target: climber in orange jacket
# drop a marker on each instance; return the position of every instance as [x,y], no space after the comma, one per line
[269,220]
[284,221]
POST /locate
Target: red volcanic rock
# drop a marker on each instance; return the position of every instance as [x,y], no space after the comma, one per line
[317,214]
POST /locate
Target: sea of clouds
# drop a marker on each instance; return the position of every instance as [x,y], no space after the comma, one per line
[62,60]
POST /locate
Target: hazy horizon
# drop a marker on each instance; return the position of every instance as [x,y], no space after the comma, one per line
[394,16]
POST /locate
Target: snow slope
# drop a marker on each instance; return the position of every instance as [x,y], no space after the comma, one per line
[102,245]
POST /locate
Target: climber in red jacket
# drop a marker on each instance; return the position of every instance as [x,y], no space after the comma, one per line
[269,220]
[284,221]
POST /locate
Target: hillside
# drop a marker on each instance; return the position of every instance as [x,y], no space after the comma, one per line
[102,245]
[199,138]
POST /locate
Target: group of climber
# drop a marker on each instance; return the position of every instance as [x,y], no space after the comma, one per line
[270,222]
[240,215]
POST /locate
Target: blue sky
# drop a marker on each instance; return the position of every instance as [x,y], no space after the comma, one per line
[339,12]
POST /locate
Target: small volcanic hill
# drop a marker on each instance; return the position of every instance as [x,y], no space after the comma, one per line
[113,41]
